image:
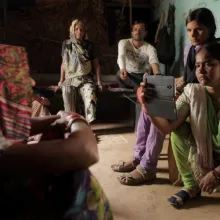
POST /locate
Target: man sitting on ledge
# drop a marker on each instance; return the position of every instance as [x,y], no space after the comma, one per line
[135,58]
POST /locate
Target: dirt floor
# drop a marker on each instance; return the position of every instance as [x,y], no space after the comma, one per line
[147,201]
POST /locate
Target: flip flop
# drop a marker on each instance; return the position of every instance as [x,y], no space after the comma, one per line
[145,177]
[120,167]
[184,195]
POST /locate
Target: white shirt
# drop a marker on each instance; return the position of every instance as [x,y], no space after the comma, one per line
[136,60]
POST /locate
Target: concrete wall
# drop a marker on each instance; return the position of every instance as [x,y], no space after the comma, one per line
[182,9]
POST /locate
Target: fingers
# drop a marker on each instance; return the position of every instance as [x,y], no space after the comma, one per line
[210,191]
[124,75]
[201,185]
[209,188]
[147,92]
[62,113]
[46,102]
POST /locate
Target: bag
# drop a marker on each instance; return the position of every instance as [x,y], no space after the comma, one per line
[165,43]
[165,47]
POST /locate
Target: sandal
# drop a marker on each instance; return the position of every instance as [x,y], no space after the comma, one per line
[142,175]
[125,166]
[183,196]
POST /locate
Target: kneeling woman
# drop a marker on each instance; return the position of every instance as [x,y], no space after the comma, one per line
[196,145]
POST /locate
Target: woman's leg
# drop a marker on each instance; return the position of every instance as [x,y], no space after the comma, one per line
[69,98]
[147,150]
[153,148]
[181,153]
[143,129]
[180,139]
[88,94]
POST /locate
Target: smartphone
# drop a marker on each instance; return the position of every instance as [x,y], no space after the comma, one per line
[163,103]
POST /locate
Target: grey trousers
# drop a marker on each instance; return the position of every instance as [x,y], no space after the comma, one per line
[87,93]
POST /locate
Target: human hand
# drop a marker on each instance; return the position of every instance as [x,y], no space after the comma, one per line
[54,88]
[180,84]
[63,115]
[100,87]
[146,74]
[45,101]
[208,183]
[123,74]
[69,117]
[146,92]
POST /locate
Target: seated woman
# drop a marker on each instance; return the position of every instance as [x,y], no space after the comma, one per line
[196,145]
[79,61]
[49,179]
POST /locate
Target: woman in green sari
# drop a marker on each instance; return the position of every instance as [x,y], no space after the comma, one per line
[196,145]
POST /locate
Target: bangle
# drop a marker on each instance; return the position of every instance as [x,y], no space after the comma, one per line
[217,176]
[41,100]
[74,117]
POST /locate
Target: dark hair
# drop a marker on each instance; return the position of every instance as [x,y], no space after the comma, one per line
[213,50]
[205,17]
[138,22]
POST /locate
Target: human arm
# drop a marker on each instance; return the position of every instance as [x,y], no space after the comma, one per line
[97,70]
[210,181]
[78,151]
[62,78]
[155,68]
[121,59]
[62,72]
[42,124]
[163,125]
[42,100]
[180,84]
[153,60]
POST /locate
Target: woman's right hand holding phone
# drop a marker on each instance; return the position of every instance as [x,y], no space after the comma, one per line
[146,93]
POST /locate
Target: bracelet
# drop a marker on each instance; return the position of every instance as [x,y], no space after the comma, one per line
[74,117]
[216,175]
[41,100]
